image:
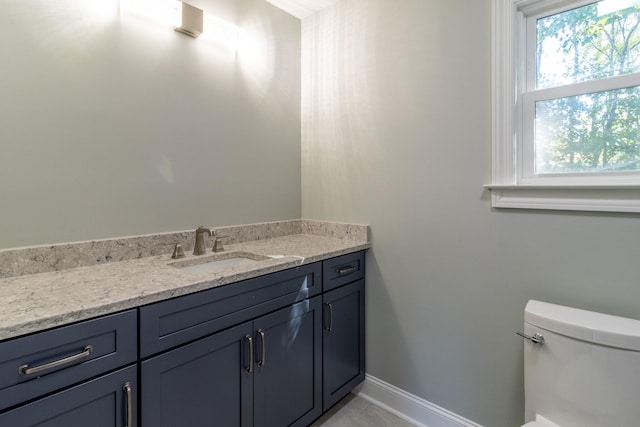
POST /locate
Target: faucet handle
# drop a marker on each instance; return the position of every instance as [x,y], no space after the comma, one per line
[178,251]
[217,244]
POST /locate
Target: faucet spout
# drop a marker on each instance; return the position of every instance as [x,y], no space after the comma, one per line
[199,247]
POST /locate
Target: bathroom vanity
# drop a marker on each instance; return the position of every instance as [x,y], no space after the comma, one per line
[276,349]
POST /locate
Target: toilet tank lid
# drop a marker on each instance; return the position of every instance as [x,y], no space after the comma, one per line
[597,328]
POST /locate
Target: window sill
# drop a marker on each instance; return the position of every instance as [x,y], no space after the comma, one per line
[597,198]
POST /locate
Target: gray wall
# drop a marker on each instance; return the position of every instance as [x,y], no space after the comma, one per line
[112,124]
[396,133]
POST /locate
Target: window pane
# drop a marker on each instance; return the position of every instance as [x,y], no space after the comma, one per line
[595,132]
[591,42]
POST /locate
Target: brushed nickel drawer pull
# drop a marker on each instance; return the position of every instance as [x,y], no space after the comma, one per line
[263,351]
[249,368]
[28,370]
[346,270]
[127,389]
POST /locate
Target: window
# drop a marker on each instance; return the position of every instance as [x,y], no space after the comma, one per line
[566,104]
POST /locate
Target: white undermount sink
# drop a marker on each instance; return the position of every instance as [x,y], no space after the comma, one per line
[219,262]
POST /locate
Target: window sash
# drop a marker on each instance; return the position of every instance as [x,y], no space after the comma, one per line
[525,131]
[508,81]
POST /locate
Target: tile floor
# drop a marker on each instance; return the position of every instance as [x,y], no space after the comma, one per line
[354,411]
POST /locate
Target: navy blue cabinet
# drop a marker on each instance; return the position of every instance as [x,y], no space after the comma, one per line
[108,401]
[265,372]
[207,382]
[288,371]
[343,339]
[36,364]
[72,375]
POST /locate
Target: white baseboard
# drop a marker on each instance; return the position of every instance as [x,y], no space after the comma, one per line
[407,406]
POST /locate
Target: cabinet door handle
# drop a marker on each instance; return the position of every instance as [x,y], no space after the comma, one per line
[28,370]
[346,270]
[330,327]
[249,367]
[263,351]
[129,410]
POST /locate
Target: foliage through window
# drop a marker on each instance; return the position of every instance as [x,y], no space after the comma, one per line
[585,108]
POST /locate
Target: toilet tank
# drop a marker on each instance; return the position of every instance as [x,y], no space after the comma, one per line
[587,372]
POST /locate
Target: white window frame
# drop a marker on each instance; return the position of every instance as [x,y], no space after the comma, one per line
[511,186]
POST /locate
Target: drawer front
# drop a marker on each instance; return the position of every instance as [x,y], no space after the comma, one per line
[47,361]
[167,324]
[342,270]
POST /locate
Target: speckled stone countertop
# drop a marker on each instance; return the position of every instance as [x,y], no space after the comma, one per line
[35,302]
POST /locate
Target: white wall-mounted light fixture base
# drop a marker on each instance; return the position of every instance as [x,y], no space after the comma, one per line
[192,22]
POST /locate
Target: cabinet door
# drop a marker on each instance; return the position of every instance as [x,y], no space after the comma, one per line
[287,377]
[343,341]
[205,383]
[102,402]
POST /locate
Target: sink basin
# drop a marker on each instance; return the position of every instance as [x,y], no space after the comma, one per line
[218,263]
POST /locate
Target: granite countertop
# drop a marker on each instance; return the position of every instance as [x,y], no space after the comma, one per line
[36,302]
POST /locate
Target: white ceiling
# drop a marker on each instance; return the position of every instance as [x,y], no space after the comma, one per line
[301,8]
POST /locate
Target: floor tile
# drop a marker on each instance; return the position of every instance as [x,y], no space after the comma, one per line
[354,411]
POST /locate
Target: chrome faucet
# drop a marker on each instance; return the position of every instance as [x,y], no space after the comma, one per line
[199,247]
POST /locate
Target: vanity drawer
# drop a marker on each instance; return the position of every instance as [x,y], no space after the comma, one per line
[170,323]
[47,361]
[341,270]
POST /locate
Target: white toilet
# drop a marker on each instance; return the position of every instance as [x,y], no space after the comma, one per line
[582,369]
